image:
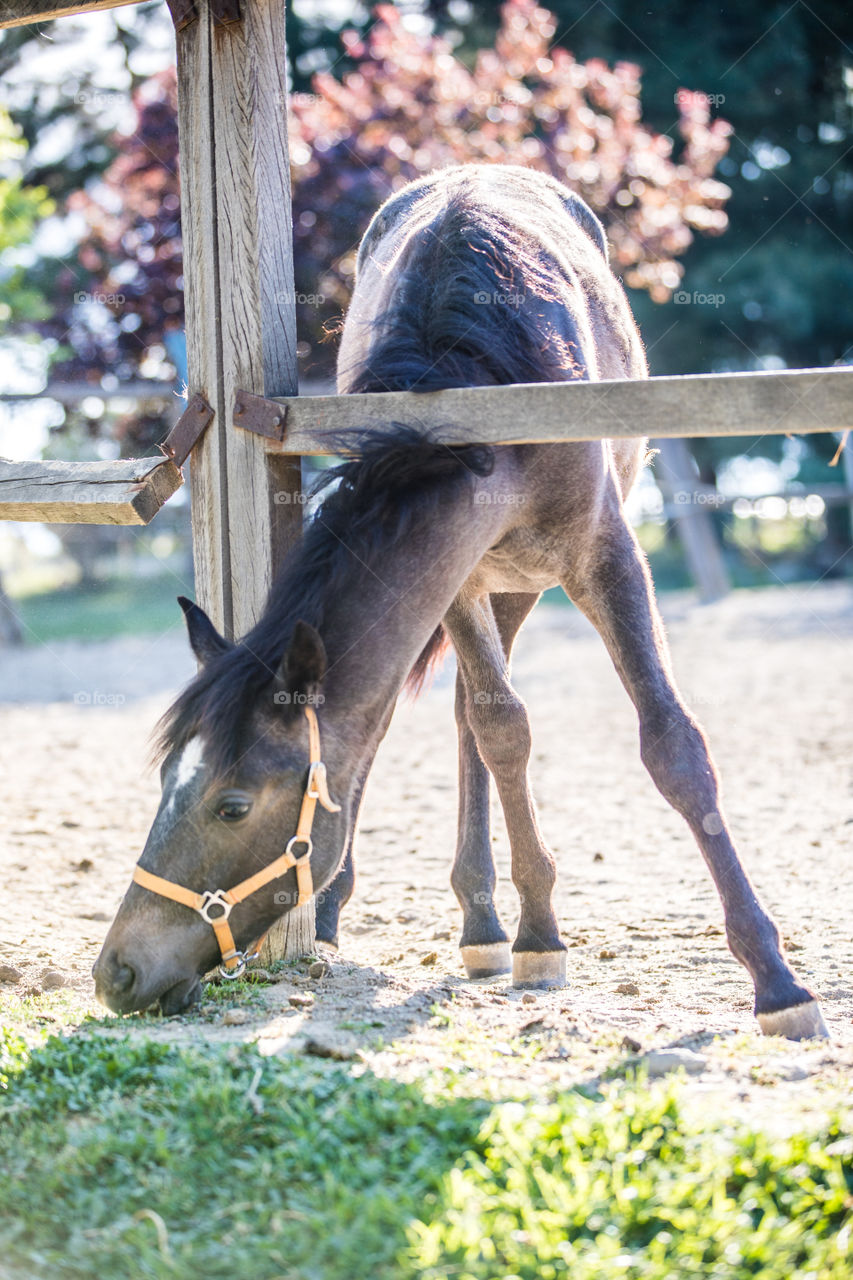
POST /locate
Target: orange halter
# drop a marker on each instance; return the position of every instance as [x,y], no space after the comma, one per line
[222,900]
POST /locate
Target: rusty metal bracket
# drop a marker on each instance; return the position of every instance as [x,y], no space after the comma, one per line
[256,413]
[183,12]
[225,12]
[193,421]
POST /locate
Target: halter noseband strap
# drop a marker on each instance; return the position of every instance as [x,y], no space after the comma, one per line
[221,901]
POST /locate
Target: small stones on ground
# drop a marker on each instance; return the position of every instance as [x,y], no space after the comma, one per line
[528,998]
[535,1024]
[606,954]
[318,969]
[85,864]
[8,973]
[329,1042]
[100,916]
[235,1017]
[52,979]
[441,935]
[659,1062]
[632,1045]
[792,1071]
[301,1001]
[430,958]
[598,857]
[628,989]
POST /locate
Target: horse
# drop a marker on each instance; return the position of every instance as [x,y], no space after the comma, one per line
[476,275]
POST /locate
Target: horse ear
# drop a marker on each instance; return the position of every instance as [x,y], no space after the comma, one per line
[304,663]
[205,640]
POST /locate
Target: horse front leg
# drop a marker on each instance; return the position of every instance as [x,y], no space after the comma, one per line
[484,945]
[331,900]
[615,592]
[498,722]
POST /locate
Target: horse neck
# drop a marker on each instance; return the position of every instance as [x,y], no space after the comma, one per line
[379,623]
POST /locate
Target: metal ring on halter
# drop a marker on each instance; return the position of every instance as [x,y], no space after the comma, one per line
[214,898]
[306,840]
[244,958]
[240,967]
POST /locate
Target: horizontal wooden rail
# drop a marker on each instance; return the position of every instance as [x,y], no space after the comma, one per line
[19,13]
[788,402]
[129,491]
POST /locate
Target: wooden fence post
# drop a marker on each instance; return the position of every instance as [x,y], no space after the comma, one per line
[680,482]
[241,315]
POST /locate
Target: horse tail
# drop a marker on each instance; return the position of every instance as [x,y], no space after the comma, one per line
[427,663]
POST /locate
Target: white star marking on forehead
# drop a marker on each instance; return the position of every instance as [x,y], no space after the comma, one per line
[190,761]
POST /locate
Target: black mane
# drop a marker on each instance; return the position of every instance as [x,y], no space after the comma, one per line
[385,491]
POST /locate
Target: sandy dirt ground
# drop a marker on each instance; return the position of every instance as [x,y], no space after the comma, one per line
[767,673]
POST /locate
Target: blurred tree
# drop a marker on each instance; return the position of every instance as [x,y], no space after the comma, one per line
[21,208]
[64,89]
[119,306]
[410,106]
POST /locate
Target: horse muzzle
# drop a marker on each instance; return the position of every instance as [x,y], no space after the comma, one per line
[123,987]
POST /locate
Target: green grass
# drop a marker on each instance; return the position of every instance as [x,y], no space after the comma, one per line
[132,1158]
[120,606]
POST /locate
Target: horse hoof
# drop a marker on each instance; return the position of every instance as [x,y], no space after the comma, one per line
[486,960]
[538,968]
[800,1022]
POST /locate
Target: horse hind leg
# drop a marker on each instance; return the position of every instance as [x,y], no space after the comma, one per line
[484,945]
[497,723]
[615,592]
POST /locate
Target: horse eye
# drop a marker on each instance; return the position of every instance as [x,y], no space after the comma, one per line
[232,809]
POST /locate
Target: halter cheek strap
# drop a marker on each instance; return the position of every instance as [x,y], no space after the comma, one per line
[214,905]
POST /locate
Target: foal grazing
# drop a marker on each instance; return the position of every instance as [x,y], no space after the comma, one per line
[477,275]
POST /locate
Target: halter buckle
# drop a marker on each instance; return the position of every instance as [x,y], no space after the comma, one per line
[317,786]
[214,898]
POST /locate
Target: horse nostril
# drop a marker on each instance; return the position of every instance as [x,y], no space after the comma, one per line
[123,979]
[120,976]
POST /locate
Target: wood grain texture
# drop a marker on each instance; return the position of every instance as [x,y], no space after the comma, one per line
[19,13]
[722,404]
[129,491]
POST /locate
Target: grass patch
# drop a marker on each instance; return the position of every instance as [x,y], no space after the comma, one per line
[133,1158]
[118,606]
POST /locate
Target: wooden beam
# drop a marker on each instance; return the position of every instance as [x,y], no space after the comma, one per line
[20,13]
[126,492]
[789,402]
[241,316]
